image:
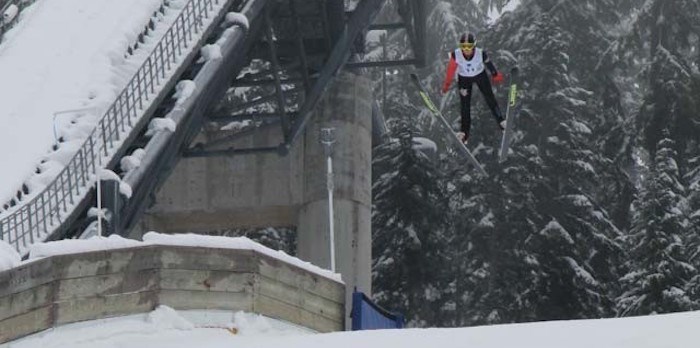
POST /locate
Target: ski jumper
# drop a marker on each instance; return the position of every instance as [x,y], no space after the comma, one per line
[469,71]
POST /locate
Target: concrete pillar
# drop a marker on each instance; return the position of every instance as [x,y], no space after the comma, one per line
[347,107]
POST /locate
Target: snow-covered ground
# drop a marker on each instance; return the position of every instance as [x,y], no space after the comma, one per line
[165,327]
[61,66]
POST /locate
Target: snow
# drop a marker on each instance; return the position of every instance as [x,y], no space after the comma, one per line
[487,221]
[165,327]
[238,19]
[184,90]
[554,229]
[93,212]
[9,258]
[424,144]
[581,127]
[108,175]
[129,163]
[125,189]
[72,246]
[581,273]
[210,52]
[233,243]
[160,123]
[579,200]
[66,66]
[494,14]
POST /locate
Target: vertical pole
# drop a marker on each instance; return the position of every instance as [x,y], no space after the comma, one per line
[99,206]
[327,138]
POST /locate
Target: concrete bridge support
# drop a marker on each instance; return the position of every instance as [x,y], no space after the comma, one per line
[346,107]
[264,189]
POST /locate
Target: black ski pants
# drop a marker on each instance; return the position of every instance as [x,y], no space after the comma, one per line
[465,98]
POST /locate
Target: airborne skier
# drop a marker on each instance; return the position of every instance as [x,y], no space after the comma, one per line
[470,63]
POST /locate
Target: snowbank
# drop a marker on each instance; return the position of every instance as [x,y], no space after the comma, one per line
[237,18]
[242,243]
[74,246]
[95,243]
[9,258]
[165,327]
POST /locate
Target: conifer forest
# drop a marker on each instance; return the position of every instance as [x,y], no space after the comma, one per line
[596,211]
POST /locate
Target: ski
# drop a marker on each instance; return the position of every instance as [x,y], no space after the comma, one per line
[438,114]
[511,112]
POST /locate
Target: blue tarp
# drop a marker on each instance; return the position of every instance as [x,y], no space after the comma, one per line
[366,315]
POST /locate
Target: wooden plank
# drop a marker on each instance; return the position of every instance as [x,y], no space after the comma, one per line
[25,324]
[295,276]
[93,285]
[301,298]
[26,301]
[274,308]
[183,300]
[90,308]
[104,262]
[206,259]
[106,285]
[26,276]
[193,280]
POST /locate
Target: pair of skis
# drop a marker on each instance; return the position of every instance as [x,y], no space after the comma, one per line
[507,134]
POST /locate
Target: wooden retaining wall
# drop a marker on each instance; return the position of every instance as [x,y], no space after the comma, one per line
[70,288]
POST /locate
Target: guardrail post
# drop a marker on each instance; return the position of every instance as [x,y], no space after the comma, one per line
[17,230]
[29,222]
[43,212]
[70,185]
[116,125]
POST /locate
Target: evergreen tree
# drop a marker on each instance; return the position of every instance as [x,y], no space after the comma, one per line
[665,38]
[554,144]
[659,272]
[409,230]
[498,284]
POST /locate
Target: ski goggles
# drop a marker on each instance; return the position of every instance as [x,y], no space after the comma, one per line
[467,46]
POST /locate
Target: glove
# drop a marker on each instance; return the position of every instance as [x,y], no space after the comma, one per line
[445,89]
[497,78]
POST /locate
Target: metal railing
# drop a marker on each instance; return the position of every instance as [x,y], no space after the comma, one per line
[33,220]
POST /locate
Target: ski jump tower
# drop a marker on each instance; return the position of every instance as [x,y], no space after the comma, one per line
[274,174]
[262,189]
[245,150]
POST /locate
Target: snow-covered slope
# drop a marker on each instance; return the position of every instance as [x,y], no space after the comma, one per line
[60,68]
[165,327]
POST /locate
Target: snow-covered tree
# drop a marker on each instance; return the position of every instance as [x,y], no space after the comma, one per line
[554,131]
[665,40]
[659,272]
[495,217]
[409,230]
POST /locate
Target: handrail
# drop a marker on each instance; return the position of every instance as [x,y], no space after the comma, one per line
[34,220]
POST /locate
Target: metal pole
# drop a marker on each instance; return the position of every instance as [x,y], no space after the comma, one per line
[327,138]
[98,187]
[99,205]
